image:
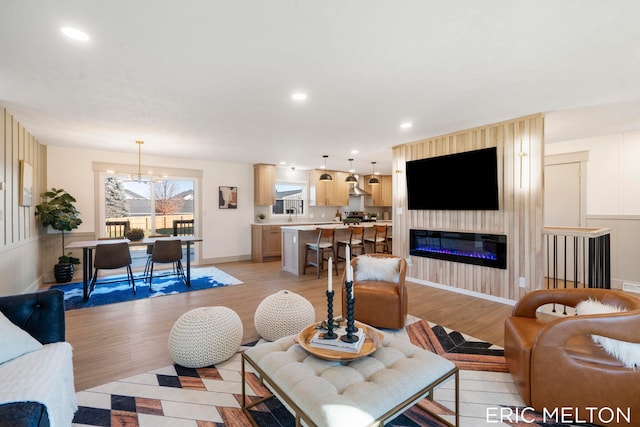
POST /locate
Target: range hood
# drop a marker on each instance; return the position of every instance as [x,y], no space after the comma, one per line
[354,190]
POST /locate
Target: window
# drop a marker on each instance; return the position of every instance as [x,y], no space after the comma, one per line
[149,205]
[290,199]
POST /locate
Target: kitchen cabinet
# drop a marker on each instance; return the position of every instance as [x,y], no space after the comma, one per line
[266,242]
[264,184]
[381,194]
[328,193]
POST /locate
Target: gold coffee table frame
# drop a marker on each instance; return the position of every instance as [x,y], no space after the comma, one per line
[300,415]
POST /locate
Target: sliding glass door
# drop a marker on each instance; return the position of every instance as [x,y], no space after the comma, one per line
[149,205]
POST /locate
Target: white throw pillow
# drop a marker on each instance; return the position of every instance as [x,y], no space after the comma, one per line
[626,352]
[373,268]
[14,342]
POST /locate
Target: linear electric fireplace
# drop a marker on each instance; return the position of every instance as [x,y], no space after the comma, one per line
[489,250]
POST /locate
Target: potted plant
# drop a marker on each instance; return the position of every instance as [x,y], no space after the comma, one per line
[261,217]
[58,211]
[135,234]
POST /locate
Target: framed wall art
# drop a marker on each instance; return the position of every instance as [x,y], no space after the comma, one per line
[228,197]
[26,184]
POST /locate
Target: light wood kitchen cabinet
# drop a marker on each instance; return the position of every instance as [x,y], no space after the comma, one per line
[328,193]
[266,242]
[264,184]
[381,194]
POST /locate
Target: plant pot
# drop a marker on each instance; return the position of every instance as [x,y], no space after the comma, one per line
[63,272]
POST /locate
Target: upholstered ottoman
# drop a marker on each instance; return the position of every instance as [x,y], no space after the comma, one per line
[362,392]
[282,314]
[205,336]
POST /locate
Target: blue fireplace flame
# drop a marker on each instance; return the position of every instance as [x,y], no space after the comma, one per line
[472,254]
[489,250]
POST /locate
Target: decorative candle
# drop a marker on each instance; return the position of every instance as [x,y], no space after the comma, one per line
[329,274]
[347,257]
[351,275]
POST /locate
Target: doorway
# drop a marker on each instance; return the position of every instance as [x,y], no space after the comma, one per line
[564,206]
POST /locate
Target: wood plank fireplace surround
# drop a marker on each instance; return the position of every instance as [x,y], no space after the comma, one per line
[519,219]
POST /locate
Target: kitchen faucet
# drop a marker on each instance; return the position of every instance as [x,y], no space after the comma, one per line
[292,209]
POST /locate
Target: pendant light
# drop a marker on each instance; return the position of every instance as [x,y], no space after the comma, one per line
[373,180]
[351,177]
[325,176]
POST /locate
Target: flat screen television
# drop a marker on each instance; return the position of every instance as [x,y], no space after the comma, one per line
[461,181]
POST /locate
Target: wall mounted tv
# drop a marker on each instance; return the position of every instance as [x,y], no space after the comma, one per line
[461,181]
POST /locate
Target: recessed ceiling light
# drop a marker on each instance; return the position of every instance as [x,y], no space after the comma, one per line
[406,125]
[75,34]
[299,96]
[283,163]
[354,151]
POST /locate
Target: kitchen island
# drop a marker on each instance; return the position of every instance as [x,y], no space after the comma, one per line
[266,240]
[295,238]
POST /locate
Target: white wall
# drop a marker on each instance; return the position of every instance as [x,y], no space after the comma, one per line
[226,233]
[613,196]
[613,176]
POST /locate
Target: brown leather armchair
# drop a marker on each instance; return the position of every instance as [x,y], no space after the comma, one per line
[378,303]
[556,364]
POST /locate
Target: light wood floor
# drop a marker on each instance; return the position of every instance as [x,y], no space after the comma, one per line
[119,340]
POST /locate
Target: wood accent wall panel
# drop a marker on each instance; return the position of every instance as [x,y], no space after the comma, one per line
[520,181]
[20,266]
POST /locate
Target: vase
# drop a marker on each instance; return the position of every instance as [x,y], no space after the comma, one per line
[63,272]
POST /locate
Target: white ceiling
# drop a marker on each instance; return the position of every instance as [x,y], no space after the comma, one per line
[212,79]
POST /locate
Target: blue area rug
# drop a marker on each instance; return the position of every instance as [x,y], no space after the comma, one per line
[109,293]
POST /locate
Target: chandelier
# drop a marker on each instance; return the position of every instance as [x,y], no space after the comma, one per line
[149,176]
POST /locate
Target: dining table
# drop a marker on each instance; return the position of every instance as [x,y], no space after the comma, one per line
[88,246]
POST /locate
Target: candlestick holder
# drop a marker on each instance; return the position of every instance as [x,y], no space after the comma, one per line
[351,328]
[329,335]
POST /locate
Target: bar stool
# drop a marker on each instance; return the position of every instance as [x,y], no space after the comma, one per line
[379,240]
[325,243]
[356,241]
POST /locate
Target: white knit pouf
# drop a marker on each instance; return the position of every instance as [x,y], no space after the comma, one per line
[205,336]
[281,314]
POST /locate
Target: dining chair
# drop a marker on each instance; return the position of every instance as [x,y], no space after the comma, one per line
[117,229]
[183,227]
[165,252]
[110,256]
[324,244]
[147,265]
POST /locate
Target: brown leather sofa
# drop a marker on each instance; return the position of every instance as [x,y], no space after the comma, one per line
[378,303]
[556,364]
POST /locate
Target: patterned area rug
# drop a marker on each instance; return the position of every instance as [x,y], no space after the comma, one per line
[120,291]
[211,397]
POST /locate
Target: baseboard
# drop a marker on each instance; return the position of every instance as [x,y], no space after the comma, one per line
[462,291]
[35,285]
[209,261]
